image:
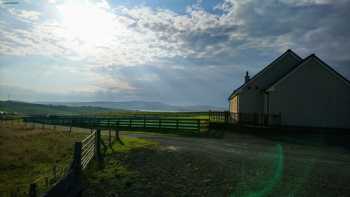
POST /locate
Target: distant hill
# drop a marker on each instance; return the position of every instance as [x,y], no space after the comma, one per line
[30,108]
[141,106]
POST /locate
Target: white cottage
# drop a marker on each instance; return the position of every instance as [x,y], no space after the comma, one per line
[306,92]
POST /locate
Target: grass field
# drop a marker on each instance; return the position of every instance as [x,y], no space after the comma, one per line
[23,108]
[170,115]
[29,155]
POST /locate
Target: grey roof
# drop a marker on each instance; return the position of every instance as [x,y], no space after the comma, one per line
[312,56]
[273,65]
[290,71]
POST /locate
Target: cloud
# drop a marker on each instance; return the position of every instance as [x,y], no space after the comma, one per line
[142,35]
[156,53]
[307,2]
[25,15]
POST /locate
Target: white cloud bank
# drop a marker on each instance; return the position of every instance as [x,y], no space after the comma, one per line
[93,35]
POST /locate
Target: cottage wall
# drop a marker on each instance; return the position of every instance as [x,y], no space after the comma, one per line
[312,96]
[251,101]
[234,104]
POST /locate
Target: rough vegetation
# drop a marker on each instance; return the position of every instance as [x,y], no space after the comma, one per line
[30,154]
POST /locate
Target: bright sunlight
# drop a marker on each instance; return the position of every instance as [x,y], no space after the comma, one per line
[87,22]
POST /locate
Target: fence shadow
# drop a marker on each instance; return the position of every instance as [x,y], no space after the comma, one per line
[294,135]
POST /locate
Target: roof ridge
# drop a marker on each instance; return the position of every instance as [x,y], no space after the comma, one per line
[313,55]
[291,70]
[293,53]
[332,69]
[289,51]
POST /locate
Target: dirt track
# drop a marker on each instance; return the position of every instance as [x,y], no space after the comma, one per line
[237,165]
[307,170]
[233,145]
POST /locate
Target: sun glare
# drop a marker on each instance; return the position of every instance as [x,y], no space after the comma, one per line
[87,22]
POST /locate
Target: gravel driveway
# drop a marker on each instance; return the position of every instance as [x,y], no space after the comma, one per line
[306,170]
[236,165]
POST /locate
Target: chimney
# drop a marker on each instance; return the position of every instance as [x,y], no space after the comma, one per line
[246,78]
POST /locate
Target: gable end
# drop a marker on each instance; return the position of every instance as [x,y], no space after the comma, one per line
[309,58]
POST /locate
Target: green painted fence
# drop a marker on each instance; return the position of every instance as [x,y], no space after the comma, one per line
[125,124]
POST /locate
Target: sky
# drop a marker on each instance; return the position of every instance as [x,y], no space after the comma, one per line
[183,52]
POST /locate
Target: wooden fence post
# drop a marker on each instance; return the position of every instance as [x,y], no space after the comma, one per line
[91,126]
[32,190]
[77,157]
[116,131]
[199,125]
[110,137]
[225,116]
[117,136]
[109,134]
[99,158]
[70,128]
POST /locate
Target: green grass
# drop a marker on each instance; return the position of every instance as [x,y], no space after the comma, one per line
[169,115]
[115,176]
[29,155]
[131,144]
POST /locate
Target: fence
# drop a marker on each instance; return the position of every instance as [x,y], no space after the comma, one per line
[70,185]
[88,146]
[162,115]
[4,117]
[67,182]
[125,124]
[260,119]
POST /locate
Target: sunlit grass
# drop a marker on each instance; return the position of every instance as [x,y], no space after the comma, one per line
[115,176]
[28,155]
[130,144]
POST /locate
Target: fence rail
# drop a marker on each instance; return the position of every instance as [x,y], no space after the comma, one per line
[138,123]
[260,119]
[158,115]
[69,182]
[70,185]
[88,149]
